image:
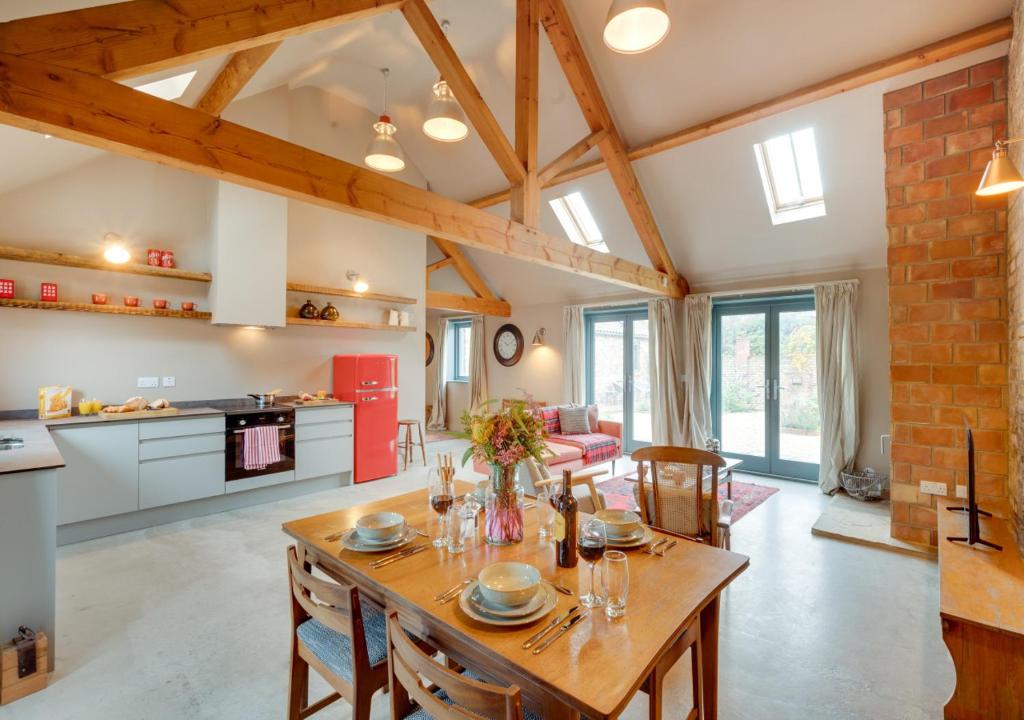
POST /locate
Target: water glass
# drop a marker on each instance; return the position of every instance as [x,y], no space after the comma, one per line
[616,583]
[459,526]
[545,514]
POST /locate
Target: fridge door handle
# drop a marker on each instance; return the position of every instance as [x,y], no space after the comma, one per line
[369,399]
[370,382]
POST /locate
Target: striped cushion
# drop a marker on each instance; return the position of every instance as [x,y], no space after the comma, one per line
[334,649]
[574,420]
[421,714]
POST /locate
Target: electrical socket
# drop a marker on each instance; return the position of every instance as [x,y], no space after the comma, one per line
[148,382]
[961,491]
[934,488]
[168,381]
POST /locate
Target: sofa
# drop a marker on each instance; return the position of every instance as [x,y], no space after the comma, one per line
[574,452]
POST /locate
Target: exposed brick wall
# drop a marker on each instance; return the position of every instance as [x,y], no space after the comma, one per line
[1015,240]
[947,290]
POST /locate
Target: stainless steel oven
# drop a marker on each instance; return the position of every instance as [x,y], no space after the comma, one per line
[234,447]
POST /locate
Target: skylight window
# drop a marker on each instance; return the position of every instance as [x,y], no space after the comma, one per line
[574,215]
[170,88]
[791,177]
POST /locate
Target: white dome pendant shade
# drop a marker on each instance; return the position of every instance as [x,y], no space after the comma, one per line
[384,153]
[446,122]
[636,26]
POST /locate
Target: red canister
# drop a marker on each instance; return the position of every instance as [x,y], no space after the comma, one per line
[167,259]
[153,257]
[6,288]
[48,292]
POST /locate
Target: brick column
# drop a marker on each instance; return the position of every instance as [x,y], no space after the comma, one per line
[947,290]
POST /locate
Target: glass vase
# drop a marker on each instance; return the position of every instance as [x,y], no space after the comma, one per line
[503,511]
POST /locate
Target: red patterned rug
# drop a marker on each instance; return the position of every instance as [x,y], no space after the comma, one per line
[618,493]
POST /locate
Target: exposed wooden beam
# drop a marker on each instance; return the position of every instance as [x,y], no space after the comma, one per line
[234,76]
[433,39]
[95,111]
[566,159]
[484,306]
[464,268]
[435,266]
[128,39]
[595,111]
[526,196]
[945,49]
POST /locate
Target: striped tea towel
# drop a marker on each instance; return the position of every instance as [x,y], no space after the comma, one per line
[260,447]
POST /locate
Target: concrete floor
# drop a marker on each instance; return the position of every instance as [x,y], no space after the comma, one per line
[190,621]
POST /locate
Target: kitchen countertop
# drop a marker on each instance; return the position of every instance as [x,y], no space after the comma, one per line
[299,405]
[94,419]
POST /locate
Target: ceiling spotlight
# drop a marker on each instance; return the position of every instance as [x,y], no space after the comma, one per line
[358,283]
[384,153]
[446,122]
[114,250]
[636,26]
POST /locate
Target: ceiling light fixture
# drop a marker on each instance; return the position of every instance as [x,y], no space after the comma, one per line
[384,153]
[446,122]
[1001,175]
[358,283]
[114,250]
[636,26]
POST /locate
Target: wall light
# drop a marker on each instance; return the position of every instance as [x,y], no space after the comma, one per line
[538,338]
[114,250]
[1001,175]
[359,283]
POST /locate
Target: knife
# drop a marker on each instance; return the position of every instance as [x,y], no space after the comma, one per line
[561,631]
[336,536]
[668,547]
[397,556]
[549,627]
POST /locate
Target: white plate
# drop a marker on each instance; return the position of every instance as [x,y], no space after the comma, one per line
[480,604]
[550,600]
[636,540]
[352,541]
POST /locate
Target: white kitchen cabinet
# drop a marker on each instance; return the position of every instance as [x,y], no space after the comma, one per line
[323,441]
[101,473]
[180,460]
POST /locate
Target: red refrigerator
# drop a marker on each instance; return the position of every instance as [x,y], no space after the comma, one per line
[371,382]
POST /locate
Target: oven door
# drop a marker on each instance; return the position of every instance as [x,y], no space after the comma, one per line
[234,454]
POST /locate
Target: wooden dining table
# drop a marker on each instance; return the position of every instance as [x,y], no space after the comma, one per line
[597,667]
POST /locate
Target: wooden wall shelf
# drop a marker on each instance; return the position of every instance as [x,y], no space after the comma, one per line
[103,309]
[45,257]
[342,292]
[349,324]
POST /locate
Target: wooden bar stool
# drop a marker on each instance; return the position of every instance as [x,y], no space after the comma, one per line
[408,443]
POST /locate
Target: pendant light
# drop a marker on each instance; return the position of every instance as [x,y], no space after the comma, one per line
[636,26]
[446,122]
[1001,175]
[384,153]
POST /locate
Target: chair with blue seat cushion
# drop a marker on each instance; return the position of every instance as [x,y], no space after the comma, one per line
[450,696]
[337,635]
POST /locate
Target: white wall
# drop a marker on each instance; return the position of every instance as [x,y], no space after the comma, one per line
[154,206]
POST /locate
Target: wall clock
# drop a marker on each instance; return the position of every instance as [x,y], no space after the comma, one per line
[430,348]
[508,345]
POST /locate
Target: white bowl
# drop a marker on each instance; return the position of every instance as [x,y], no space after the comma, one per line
[380,526]
[618,523]
[509,583]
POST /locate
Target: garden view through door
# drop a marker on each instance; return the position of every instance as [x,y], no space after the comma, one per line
[765,394]
[618,371]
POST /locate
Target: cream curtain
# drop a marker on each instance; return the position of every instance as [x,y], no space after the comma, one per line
[574,352]
[477,363]
[667,401]
[835,305]
[696,347]
[437,419]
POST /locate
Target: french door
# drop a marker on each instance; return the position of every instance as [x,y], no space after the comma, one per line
[764,393]
[618,371]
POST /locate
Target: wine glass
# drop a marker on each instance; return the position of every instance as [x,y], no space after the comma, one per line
[442,497]
[593,538]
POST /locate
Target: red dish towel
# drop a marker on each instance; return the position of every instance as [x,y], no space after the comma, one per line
[260,447]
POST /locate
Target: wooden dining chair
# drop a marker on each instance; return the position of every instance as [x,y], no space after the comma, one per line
[677,490]
[422,688]
[540,475]
[336,634]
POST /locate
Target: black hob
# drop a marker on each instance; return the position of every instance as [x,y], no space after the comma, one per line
[244,405]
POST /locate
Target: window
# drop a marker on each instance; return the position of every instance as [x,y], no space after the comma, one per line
[460,332]
[170,88]
[574,215]
[791,177]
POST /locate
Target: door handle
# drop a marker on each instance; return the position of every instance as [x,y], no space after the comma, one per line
[775,387]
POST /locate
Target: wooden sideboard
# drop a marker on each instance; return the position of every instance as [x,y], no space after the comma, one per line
[981,603]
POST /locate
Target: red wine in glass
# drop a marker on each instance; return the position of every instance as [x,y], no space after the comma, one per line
[441,503]
[591,549]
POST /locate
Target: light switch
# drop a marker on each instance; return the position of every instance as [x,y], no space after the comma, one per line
[168,381]
[148,382]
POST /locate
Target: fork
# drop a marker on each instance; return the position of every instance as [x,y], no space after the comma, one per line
[661,553]
[650,549]
[336,535]
[441,596]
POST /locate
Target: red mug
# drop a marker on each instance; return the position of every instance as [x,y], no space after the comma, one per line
[160,304]
[99,299]
[188,306]
[131,301]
